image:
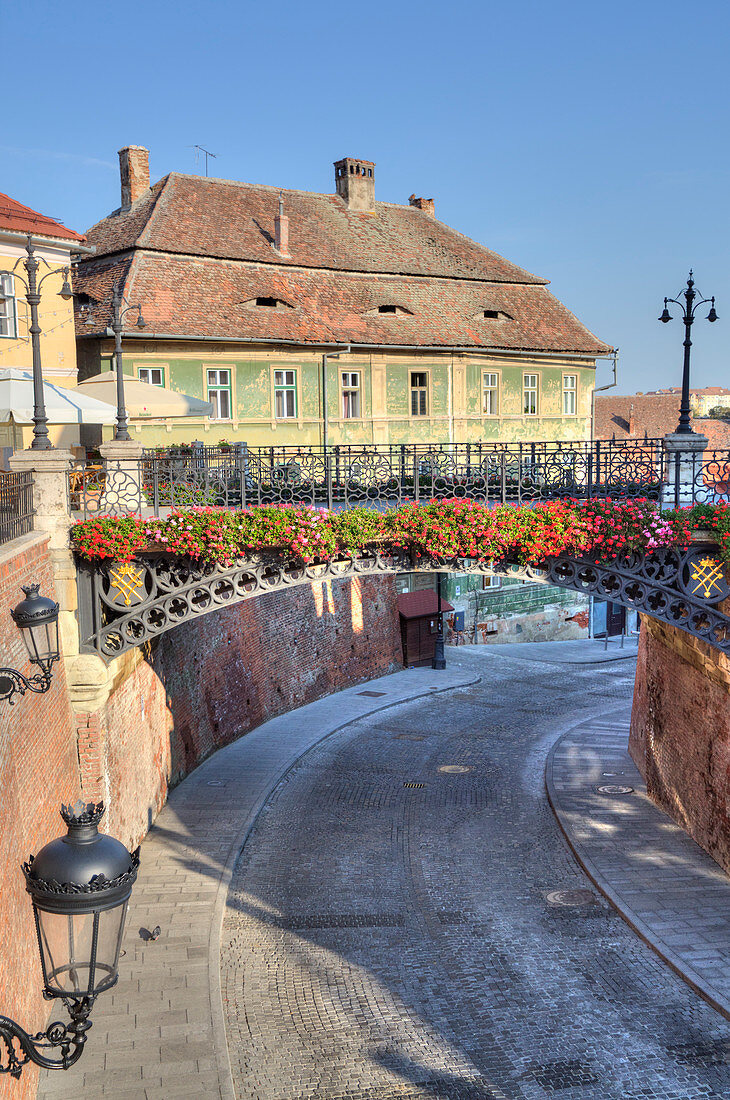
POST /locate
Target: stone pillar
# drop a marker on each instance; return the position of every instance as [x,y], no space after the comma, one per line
[683,464]
[123,477]
[87,676]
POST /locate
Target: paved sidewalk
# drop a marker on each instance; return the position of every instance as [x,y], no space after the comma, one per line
[582,651]
[160,1034]
[668,889]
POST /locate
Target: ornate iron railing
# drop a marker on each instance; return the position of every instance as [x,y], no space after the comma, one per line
[16,504]
[124,604]
[342,477]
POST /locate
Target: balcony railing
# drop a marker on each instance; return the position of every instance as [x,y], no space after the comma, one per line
[386,476]
[16,504]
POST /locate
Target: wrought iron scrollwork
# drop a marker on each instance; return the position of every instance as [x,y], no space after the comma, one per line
[18,1047]
[13,683]
[680,588]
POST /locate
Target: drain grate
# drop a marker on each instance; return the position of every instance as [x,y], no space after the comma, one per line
[409,737]
[703,1054]
[342,920]
[372,694]
[570,898]
[413,786]
[614,788]
[568,1074]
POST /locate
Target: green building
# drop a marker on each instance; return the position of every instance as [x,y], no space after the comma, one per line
[307,318]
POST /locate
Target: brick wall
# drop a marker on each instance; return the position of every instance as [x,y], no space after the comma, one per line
[207,682]
[38,771]
[680,732]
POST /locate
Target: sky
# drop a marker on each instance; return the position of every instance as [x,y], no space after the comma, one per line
[585,142]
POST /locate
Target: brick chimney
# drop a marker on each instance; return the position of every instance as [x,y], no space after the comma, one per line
[134,170]
[427,205]
[355,183]
[281,230]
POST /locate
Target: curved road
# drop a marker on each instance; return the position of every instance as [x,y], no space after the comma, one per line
[392,929]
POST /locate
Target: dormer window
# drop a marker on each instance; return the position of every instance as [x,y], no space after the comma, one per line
[265,302]
[388,308]
[492,315]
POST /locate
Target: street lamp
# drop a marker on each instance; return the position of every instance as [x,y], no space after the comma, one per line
[119,311]
[439,654]
[37,618]
[32,285]
[684,426]
[79,886]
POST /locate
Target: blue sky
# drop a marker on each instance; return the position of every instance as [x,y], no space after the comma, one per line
[586,142]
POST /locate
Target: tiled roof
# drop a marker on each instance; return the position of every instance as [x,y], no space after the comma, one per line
[412,605]
[654,415]
[195,216]
[203,297]
[202,248]
[21,219]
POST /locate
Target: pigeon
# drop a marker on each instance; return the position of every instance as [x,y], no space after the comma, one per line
[155,932]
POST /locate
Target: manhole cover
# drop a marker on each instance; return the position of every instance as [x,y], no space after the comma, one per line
[455,769]
[372,694]
[571,898]
[614,788]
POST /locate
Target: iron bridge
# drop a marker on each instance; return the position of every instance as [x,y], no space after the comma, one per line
[125,604]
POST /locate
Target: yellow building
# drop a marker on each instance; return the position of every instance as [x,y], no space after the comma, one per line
[54,246]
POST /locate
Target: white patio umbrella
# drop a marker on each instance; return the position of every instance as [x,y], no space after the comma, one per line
[142,399]
[63,406]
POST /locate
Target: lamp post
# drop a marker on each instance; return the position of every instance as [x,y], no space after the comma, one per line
[684,427]
[37,618]
[79,886]
[119,311]
[32,285]
[439,655]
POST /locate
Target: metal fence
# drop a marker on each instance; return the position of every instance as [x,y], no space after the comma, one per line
[16,504]
[341,477]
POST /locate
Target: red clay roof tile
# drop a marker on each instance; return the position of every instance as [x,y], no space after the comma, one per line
[22,219]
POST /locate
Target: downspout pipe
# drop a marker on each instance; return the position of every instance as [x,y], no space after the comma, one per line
[325,407]
[600,389]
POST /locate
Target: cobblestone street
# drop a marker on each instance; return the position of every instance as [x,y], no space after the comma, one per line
[407,921]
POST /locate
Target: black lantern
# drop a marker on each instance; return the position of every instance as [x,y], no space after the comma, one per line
[80,886]
[37,618]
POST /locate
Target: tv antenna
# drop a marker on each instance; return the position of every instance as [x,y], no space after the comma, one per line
[198,150]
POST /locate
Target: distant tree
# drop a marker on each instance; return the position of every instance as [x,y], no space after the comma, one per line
[719,412]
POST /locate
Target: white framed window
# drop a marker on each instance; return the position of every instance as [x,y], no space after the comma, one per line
[491,582]
[285,394]
[8,311]
[419,393]
[219,393]
[570,393]
[153,376]
[490,393]
[530,388]
[351,407]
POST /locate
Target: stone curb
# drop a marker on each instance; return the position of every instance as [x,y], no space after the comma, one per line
[679,965]
[214,944]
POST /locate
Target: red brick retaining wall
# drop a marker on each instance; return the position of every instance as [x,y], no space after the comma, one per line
[680,732]
[207,682]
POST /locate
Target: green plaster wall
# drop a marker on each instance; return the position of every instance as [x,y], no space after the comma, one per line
[448,419]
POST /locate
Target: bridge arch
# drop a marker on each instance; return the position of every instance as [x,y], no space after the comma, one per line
[125,604]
